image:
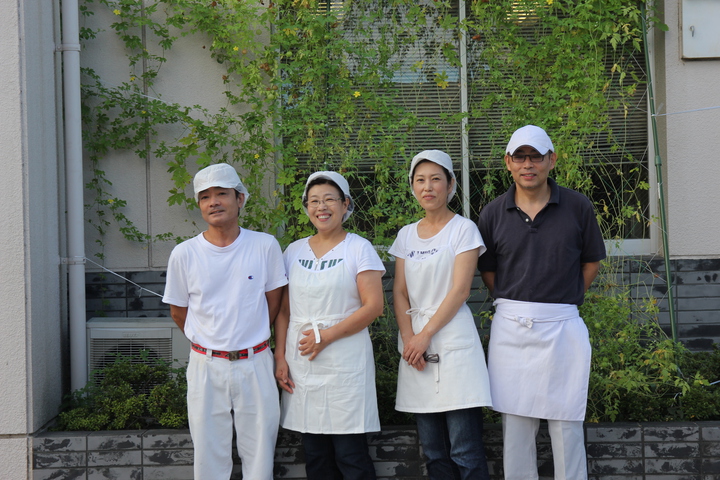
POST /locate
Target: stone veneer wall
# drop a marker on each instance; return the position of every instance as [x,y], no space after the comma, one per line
[652,451]
[696,286]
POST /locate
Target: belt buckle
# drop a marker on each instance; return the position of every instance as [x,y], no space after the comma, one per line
[235,355]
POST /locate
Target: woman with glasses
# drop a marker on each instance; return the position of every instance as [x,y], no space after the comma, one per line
[324,358]
[442,376]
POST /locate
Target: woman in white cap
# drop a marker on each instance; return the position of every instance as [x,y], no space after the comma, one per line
[324,357]
[442,376]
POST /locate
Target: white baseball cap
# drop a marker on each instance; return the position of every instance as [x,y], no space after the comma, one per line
[219,175]
[338,180]
[531,136]
[439,157]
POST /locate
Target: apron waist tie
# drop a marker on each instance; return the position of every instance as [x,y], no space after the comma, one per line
[528,313]
[422,311]
[428,312]
[316,325]
[529,321]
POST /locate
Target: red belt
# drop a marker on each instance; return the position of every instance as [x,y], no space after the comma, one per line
[234,355]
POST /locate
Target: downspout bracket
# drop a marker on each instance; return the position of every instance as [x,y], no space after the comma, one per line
[72,261]
[68,47]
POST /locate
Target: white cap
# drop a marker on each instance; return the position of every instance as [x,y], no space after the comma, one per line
[439,157]
[338,180]
[531,136]
[220,175]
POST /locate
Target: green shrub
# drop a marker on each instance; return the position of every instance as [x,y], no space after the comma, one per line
[134,393]
[638,374]
[702,400]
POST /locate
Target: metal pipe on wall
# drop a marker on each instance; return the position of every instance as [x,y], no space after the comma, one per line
[660,185]
[74,190]
[465,135]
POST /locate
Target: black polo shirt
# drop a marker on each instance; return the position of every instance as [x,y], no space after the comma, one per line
[540,260]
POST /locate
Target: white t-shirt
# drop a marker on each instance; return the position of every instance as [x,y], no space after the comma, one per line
[460,233]
[224,288]
[355,253]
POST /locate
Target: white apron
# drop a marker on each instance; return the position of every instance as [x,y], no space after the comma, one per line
[539,360]
[334,393]
[460,378]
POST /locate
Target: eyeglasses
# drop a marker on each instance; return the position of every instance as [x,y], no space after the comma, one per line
[431,357]
[534,158]
[329,201]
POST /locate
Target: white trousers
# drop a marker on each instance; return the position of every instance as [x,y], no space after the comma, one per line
[243,392]
[520,451]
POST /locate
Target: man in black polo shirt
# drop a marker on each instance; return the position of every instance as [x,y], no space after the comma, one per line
[543,251]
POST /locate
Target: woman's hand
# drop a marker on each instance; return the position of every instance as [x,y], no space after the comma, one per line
[308,346]
[414,348]
[282,375]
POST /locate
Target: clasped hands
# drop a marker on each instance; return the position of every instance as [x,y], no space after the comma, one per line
[414,348]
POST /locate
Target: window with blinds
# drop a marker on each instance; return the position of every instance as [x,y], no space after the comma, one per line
[417,72]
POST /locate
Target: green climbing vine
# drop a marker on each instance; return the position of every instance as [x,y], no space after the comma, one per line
[360,86]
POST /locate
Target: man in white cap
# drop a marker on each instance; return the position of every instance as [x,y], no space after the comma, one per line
[224,288]
[543,251]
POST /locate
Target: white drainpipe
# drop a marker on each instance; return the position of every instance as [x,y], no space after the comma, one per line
[74,191]
[465,135]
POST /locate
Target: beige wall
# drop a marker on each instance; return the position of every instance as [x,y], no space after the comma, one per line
[690,143]
[189,77]
[13,415]
[30,318]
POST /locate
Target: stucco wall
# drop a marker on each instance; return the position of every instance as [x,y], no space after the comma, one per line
[30,320]
[12,225]
[691,142]
[189,77]
[43,213]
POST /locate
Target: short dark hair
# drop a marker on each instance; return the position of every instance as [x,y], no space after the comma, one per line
[322,181]
[447,173]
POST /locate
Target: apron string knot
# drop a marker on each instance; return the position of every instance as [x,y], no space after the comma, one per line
[422,311]
[524,321]
[428,312]
[316,325]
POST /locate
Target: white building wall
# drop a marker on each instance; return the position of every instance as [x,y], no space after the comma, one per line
[44,212]
[189,77]
[30,320]
[13,415]
[692,141]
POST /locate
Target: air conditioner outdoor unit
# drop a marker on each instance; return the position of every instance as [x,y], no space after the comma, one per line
[109,336]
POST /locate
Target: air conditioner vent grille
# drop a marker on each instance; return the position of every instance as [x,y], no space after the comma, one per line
[103,351]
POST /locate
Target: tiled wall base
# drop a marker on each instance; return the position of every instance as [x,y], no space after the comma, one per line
[652,451]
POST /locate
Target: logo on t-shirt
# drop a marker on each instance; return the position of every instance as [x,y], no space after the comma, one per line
[319,264]
[422,254]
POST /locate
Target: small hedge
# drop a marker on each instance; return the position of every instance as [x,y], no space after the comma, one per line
[131,395]
[638,374]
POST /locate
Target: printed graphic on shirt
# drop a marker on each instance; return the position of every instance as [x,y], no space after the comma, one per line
[315,264]
[421,254]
